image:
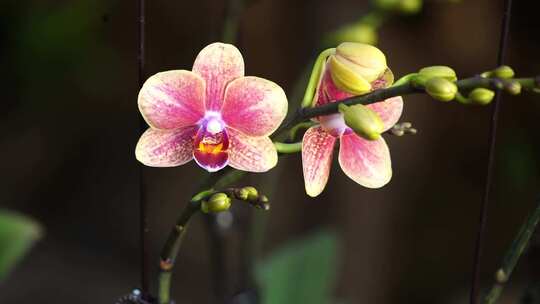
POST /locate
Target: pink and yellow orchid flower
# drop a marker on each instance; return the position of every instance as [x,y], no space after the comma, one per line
[367,162]
[213,114]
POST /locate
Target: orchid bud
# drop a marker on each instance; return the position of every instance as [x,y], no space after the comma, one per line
[503,71]
[355,66]
[441,71]
[217,203]
[252,193]
[360,32]
[362,120]
[441,89]
[400,6]
[513,87]
[410,6]
[481,96]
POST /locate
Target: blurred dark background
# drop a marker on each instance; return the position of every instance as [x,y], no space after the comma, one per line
[69,125]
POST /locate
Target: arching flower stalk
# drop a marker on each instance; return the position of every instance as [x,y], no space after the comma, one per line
[213,114]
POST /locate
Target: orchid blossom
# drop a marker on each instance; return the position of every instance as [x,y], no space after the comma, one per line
[213,114]
[367,162]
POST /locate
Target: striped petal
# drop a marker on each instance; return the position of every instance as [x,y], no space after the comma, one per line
[172,99]
[218,63]
[389,110]
[364,161]
[166,148]
[254,106]
[253,154]
[317,150]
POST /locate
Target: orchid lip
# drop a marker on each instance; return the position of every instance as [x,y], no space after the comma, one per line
[211,143]
[334,124]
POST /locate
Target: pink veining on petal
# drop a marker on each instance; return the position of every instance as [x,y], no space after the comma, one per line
[218,63]
[389,110]
[172,99]
[211,147]
[254,106]
[166,148]
[253,154]
[317,150]
[366,162]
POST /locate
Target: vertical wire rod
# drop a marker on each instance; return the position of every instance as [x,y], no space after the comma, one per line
[503,43]
[143,203]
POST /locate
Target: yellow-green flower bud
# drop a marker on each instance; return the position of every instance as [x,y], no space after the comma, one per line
[503,71]
[441,71]
[513,87]
[401,6]
[410,6]
[355,66]
[356,32]
[362,120]
[252,193]
[441,89]
[481,96]
[217,203]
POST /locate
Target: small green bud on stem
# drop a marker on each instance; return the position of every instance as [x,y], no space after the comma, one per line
[252,193]
[512,87]
[430,72]
[441,89]
[218,202]
[362,120]
[481,96]
[503,72]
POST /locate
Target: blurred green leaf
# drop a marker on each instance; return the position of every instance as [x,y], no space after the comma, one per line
[17,234]
[303,271]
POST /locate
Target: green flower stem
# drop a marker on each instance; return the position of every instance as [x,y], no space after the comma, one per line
[303,125]
[404,80]
[287,148]
[171,249]
[315,77]
[512,256]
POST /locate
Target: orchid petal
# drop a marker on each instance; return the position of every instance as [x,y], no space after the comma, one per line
[389,110]
[172,99]
[253,154]
[218,63]
[254,106]
[166,148]
[364,161]
[327,91]
[317,150]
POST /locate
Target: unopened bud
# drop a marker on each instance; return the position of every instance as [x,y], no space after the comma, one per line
[440,71]
[252,193]
[355,66]
[503,71]
[362,120]
[217,203]
[359,32]
[513,87]
[400,6]
[410,6]
[481,96]
[441,89]
[501,277]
